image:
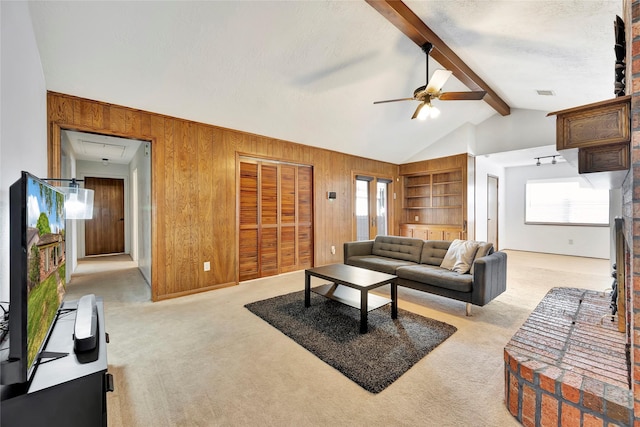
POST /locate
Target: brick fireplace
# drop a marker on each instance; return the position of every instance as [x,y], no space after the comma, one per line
[567,366]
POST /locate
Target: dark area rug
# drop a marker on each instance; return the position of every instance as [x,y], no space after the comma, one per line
[330,330]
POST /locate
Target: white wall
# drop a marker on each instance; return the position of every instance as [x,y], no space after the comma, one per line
[68,170]
[587,241]
[142,163]
[520,129]
[485,167]
[23,115]
[461,140]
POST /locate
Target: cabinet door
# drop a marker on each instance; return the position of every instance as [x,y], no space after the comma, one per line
[421,233]
[406,231]
[436,234]
[452,235]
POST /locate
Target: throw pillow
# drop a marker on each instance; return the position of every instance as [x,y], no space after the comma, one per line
[459,256]
[484,249]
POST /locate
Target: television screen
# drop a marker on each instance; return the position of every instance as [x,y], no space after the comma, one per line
[45,261]
[37,271]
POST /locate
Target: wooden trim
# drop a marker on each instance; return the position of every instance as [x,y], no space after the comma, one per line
[413,27]
[195,291]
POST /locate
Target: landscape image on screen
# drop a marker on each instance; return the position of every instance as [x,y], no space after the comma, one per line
[46,261]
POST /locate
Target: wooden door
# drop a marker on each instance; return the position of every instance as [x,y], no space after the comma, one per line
[104,233]
[492,210]
[276,218]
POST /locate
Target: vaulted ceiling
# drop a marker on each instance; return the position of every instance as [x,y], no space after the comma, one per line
[309,71]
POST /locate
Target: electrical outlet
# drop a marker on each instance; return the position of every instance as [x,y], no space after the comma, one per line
[416,218]
[207,266]
[333,250]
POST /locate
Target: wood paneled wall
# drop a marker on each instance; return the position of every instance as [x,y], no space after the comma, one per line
[193,190]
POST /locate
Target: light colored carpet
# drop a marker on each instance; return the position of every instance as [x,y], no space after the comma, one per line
[205,360]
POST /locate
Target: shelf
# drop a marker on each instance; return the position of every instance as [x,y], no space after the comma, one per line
[433,207]
[447,182]
[436,197]
[350,296]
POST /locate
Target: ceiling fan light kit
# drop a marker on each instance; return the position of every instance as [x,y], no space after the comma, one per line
[424,110]
[433,90]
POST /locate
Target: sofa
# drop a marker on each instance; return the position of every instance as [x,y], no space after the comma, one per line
[465,270]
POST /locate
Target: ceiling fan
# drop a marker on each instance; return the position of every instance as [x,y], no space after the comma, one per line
[432,90]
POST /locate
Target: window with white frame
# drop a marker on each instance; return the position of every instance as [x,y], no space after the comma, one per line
[565,201]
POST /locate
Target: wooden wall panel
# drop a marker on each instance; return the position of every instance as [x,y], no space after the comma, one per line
[194,172]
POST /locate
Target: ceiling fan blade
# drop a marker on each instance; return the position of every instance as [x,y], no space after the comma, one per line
[438,80]
[422,104]
[394,100]
[462,96]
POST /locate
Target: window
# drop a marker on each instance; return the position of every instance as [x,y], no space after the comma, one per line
[566,201]
[371,206]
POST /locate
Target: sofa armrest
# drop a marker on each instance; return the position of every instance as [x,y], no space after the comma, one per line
[360,248]
[489,278]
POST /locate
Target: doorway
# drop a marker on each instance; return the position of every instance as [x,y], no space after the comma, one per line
[119,170]
[371,207]
[492,210]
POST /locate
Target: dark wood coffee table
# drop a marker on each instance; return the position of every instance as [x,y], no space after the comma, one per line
[357,282]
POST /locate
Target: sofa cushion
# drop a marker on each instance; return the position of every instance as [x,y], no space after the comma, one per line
[378,263]
[404,248]
[484,249]
[433,251]
[460,255]
[436,276]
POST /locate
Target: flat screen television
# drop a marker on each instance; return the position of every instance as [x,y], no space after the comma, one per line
[37,272]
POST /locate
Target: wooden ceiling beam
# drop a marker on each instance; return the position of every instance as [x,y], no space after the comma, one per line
[411,25]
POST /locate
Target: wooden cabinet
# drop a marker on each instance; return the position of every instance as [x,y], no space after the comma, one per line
[594,125]
[67,391]
[430,232]
[434,202]
[595,138]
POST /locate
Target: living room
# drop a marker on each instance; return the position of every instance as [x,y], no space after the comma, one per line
[25,118]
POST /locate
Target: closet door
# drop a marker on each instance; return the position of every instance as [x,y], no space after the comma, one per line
[288,218]
[276,218]
[248,247]
[305,217]
[268,225]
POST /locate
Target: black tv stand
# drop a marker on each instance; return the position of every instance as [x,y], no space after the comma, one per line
[66,390]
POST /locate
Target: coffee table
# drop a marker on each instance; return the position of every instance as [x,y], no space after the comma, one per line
[357,282]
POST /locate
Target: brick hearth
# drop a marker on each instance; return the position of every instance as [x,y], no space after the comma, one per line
[567,366]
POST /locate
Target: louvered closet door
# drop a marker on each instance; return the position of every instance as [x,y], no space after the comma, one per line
[276,218]
[268,227]
[248,247]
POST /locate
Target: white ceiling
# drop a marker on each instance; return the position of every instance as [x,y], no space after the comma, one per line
[105,148]
[309,71]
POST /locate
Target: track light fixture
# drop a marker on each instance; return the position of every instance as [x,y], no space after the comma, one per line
[553,159]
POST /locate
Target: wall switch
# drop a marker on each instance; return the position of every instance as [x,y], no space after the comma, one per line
[207,266]
[333,250]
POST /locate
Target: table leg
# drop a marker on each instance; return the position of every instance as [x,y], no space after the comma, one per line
[394,300]
[364,311]
[307,289]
